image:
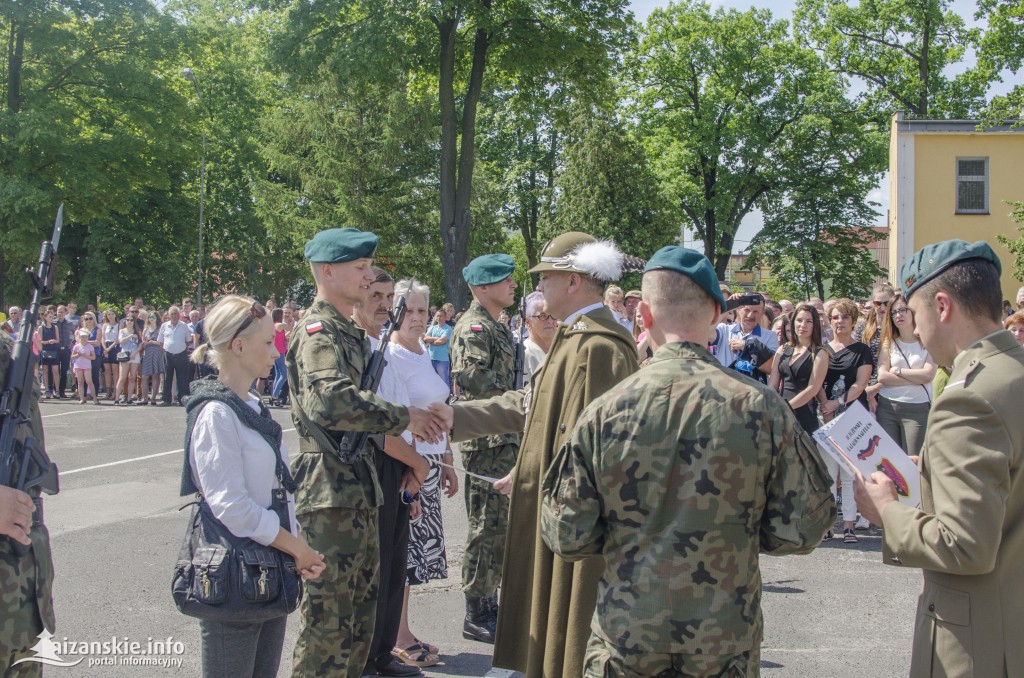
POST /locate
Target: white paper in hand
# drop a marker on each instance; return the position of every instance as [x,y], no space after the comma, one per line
[856,440]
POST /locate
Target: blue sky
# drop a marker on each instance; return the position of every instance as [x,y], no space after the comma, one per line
[783,9]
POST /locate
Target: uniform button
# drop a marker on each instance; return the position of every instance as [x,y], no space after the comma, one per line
[931,607]
[561,429]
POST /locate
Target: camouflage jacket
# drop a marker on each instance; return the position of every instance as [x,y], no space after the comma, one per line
[326,357]
[26,582]
[483,355]
[681,475]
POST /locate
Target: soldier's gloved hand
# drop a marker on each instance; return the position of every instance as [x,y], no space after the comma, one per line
[756,349]
[426,426]
[16,509]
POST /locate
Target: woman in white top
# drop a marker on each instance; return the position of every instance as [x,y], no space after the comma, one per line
[234,467]
[905,371]
[110,350]
[409,362]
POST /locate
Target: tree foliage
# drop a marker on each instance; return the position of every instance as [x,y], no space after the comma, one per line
[815,233]
[717,95]
[1002,48]
[901,50]
[608,189]
[1016,246]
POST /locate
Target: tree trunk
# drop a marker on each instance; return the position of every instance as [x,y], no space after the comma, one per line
[453,288]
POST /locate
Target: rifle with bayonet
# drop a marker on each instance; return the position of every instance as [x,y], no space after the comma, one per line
[353,441]
[23,463]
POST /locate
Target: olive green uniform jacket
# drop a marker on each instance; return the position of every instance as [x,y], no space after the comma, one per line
[968,536]
[547,602]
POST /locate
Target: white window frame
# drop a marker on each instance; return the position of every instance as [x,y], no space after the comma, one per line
[958,178]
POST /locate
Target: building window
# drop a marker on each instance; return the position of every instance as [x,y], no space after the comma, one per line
[972,185]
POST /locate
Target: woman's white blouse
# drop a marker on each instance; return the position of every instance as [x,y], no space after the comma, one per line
[234,468]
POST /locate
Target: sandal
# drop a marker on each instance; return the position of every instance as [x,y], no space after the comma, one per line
[849,537]
[432,649]
[416,655]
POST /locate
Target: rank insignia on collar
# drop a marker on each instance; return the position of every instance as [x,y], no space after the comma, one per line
[476,328]
[313,328]
[580,326]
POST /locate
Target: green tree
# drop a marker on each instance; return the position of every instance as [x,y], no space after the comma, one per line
[607,188]
[1016,246]
[815,233]
[1002,48]
[88,119]
[901,50]
[466,42]
[716,95]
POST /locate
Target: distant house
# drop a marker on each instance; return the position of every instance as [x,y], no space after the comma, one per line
[739,275]
[949,180]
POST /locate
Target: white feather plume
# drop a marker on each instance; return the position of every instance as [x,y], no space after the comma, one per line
[601,259]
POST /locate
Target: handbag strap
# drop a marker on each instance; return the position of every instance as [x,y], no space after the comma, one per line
[896,343]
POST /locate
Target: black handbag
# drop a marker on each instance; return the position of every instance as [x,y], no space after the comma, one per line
[221,577]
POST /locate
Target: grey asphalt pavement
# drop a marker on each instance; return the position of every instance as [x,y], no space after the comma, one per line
[116,530]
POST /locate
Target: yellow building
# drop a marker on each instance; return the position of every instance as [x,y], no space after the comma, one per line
[948,180]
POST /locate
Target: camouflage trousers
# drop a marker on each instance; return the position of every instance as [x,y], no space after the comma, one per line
[26,605]
[339,608]
[487,512]
[605,660]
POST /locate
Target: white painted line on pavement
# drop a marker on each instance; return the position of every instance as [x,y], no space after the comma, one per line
[501,673]
[128,461]
[64,414]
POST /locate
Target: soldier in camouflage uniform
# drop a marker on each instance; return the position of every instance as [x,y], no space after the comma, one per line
[680,476]
[26,581]
[482,357]
[336,503]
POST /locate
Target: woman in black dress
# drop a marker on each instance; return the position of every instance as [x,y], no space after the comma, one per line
[49,356]
[800,366]
[849,369]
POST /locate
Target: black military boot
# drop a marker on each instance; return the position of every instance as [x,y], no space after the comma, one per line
[479,624]
[492,603]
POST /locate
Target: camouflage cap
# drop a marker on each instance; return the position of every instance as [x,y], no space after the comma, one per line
[338,245]
[693,265]
[489,269]
[633,294]
[933,260]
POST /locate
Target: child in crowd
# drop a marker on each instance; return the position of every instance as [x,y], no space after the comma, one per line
[82,355]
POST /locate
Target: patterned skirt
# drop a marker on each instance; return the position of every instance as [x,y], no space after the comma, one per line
[427,559]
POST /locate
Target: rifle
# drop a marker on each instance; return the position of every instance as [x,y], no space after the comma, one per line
[519,366]
[16,398]
[353,441]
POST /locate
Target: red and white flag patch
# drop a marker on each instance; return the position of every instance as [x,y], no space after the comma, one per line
[313,328]
[477,328]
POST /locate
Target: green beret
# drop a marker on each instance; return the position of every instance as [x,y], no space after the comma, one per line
[489,269]
[932,260]
[338,245]
[693,265]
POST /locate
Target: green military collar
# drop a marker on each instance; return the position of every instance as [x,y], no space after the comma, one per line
[1000,341]
[686,350]
[478,308]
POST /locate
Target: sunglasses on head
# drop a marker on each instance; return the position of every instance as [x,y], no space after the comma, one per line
[256,311]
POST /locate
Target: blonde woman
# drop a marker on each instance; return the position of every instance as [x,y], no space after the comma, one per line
[236,460]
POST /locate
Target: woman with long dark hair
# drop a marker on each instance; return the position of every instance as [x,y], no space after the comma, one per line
[800,366]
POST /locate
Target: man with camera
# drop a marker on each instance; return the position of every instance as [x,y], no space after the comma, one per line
[747,347]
